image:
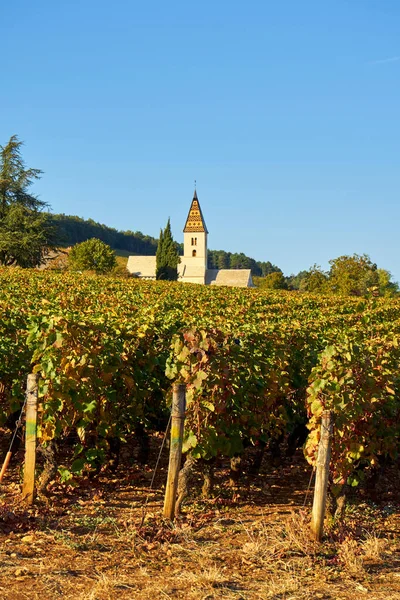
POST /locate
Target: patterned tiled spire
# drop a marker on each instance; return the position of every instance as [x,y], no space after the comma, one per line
[195,220]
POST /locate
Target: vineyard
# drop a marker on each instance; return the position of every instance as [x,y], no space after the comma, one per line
[257,366]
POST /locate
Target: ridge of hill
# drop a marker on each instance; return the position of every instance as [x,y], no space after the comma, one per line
[74,230]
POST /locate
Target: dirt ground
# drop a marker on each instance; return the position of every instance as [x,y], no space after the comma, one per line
[100,541]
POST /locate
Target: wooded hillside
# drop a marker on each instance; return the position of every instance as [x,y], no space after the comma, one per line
[73,230]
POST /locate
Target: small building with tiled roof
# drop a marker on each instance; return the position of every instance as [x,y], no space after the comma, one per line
[193,265]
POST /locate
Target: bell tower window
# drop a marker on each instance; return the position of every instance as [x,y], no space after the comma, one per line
[193,252]
[194,241]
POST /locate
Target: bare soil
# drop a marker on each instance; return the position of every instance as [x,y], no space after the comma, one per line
[101,541]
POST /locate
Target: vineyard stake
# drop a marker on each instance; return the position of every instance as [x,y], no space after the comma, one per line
[175,453]
[5,465]
[322,475]
[28,488]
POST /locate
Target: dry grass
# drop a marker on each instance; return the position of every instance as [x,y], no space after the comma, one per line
[374,547]
[209,577]
[357,555]
[264,559]
[296,529]
[349,554]
[268,544]
[289,584]
[91,544]
[103,589]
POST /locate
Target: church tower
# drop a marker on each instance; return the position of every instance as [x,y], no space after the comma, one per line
[193,264]
[195,233]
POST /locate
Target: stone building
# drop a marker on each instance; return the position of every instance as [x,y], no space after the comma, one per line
[193,265]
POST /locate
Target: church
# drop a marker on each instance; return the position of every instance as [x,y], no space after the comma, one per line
[193,266]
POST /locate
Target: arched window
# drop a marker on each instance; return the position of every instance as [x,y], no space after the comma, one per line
[195,241]
[193,252]
[192,241]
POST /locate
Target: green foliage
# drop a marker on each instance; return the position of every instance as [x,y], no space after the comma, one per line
[314,280]
[74,230]
[219,259]
[386,286]
[15,179]
[293,282]
[272,281]
[92,255]
[348,276]
[255,364]
[167,256]
[26,234]
[357,379]
[226,399]
[352,275]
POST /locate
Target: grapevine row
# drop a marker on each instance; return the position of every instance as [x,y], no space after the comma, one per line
[254,363]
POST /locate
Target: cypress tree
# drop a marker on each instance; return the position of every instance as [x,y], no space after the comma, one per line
[167,257]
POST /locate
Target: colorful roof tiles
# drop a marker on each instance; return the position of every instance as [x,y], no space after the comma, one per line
[195,220]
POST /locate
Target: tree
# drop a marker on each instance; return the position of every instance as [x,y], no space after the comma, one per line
[219,259]
[167,257]
[272,281]
[240,261]
[294,281]
[267,268]
[386,286]
[353,275]
[24,237]
[92,255]
[314,280]
[26,233]
[223,261]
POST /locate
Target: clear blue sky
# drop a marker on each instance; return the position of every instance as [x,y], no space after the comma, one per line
[286,113]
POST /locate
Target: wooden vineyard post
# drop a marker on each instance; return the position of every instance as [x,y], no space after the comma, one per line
[322,475]
[5,465]
[28,488]
[175,453]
